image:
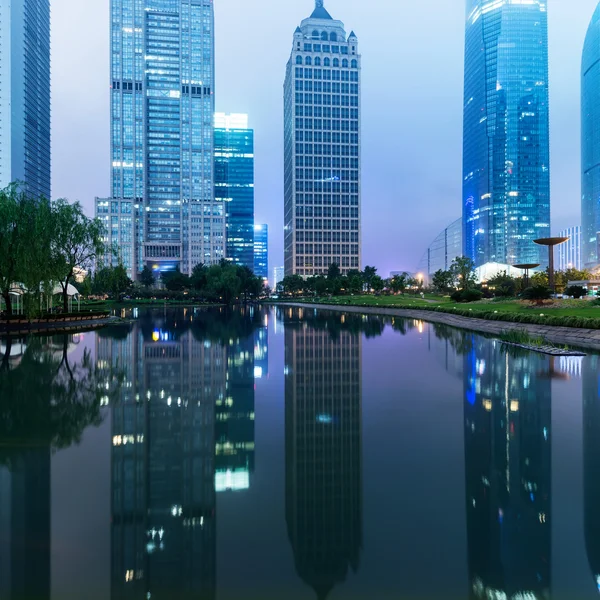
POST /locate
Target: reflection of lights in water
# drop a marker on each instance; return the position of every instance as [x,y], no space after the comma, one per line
[232,480]
[326,419]
[258,372]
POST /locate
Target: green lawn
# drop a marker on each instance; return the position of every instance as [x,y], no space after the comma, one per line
[559,308]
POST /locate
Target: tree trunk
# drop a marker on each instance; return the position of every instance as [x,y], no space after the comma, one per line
[8,303]
[66,297]
[5,365]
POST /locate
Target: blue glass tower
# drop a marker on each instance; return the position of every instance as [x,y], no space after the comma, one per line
[506,175]
[234,184]
[162,100]
[25,95]
[590,145]
[261,251]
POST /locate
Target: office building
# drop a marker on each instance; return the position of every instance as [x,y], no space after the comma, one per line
[261,251]
[506,172]
[590,145]
[508,471]
[443,250]
[322,148]
[569,253]
[278,275]
[162,152]
[234,185]
[323,448]
[25,95]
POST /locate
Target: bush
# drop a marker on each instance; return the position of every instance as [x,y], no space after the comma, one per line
[467,296]
[538,293]
[576,291]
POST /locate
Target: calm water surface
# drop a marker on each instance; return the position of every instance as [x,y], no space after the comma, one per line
[289,454]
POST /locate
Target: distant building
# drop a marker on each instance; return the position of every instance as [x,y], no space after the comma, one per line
[447,246]
[261,251]
[278,275]
[162,142]
[121,219]
[234,184]
[25,95]
[590,145]
[322,148]
[506,149]
[569,253]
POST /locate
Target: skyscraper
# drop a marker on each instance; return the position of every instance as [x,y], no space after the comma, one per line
[569,253]
[25,95]
[590,145]
[234,184]
[162,101]
[322,148]
[261,251]
[506,174]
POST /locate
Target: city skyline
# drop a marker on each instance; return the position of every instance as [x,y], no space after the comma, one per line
[391,172]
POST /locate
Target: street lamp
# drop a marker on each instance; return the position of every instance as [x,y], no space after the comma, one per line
[526,274]
[551,243]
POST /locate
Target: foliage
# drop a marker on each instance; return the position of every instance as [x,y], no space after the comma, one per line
[522,337]
[147,278]
[443,281]
[471,295]
[377,284]
[537,294]
[463,270]
[399,283]
[539,279]
[175,281]
[334,271]
[503,285]
[576,291]
[111,280]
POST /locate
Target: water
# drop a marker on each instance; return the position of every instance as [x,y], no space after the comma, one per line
[295,455]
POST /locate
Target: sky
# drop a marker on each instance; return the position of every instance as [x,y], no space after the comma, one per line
[412,85]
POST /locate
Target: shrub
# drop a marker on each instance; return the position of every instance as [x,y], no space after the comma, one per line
[537,294]
[576,291]
[467,296]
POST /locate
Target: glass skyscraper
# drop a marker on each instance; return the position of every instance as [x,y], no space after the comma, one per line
[234,184]
[25,95]
[261,251]
[506,174]
[322,148]
[443,250]
[590,145]
[569,253]
[162,107]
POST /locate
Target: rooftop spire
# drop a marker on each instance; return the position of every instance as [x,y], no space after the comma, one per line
[319,4]
[320,12]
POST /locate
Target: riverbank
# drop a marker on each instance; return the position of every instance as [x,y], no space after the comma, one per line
[571,336]
[67,324]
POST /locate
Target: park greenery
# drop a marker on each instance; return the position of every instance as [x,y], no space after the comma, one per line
[43,244]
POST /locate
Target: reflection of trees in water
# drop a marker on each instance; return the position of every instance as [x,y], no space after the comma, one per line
[46,403]
[47,399]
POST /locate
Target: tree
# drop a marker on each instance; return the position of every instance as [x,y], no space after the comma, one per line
[576,291]
[175,281]
[443,281]
[111,280]
[333,272]
[147,277]
[539,279]
[503,285]
[398,283]
[463,270]
[537,294]
[377,284]
[355,283]
[198,278]
[368,275]
[76,242]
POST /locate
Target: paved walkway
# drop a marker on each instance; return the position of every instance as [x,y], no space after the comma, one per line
[580,338]
[53,327]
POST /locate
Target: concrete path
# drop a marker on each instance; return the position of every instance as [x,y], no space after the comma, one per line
[580,338]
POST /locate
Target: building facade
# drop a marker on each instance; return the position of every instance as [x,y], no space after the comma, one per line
[234,184]
[443,250]
[506,173]
[25,95]
[278,275]
[569,253]
[590,145]
[322,148]
[162,107]
[261,251]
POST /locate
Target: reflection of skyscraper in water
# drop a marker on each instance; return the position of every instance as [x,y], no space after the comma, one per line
[323,453]
[163,502]
[25,526]
[591,462]
[508,472]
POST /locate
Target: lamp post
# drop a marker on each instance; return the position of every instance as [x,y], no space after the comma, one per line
[526,274]
[551,243]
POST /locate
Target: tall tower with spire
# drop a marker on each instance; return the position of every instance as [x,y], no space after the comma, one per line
[322,148]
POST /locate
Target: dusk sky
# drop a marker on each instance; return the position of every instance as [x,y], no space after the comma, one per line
[412,83]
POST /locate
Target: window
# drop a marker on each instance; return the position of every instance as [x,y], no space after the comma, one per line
[308,61]
[354,64]
[326,62]
[315,35]
[317,62]
[345,63]
[333,37]
[324,36]
[298,60]
[336,62]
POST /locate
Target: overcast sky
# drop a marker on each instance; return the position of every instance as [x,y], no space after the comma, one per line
[411,108]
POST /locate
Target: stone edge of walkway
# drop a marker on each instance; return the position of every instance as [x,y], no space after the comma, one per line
[579,338]
[56,327]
